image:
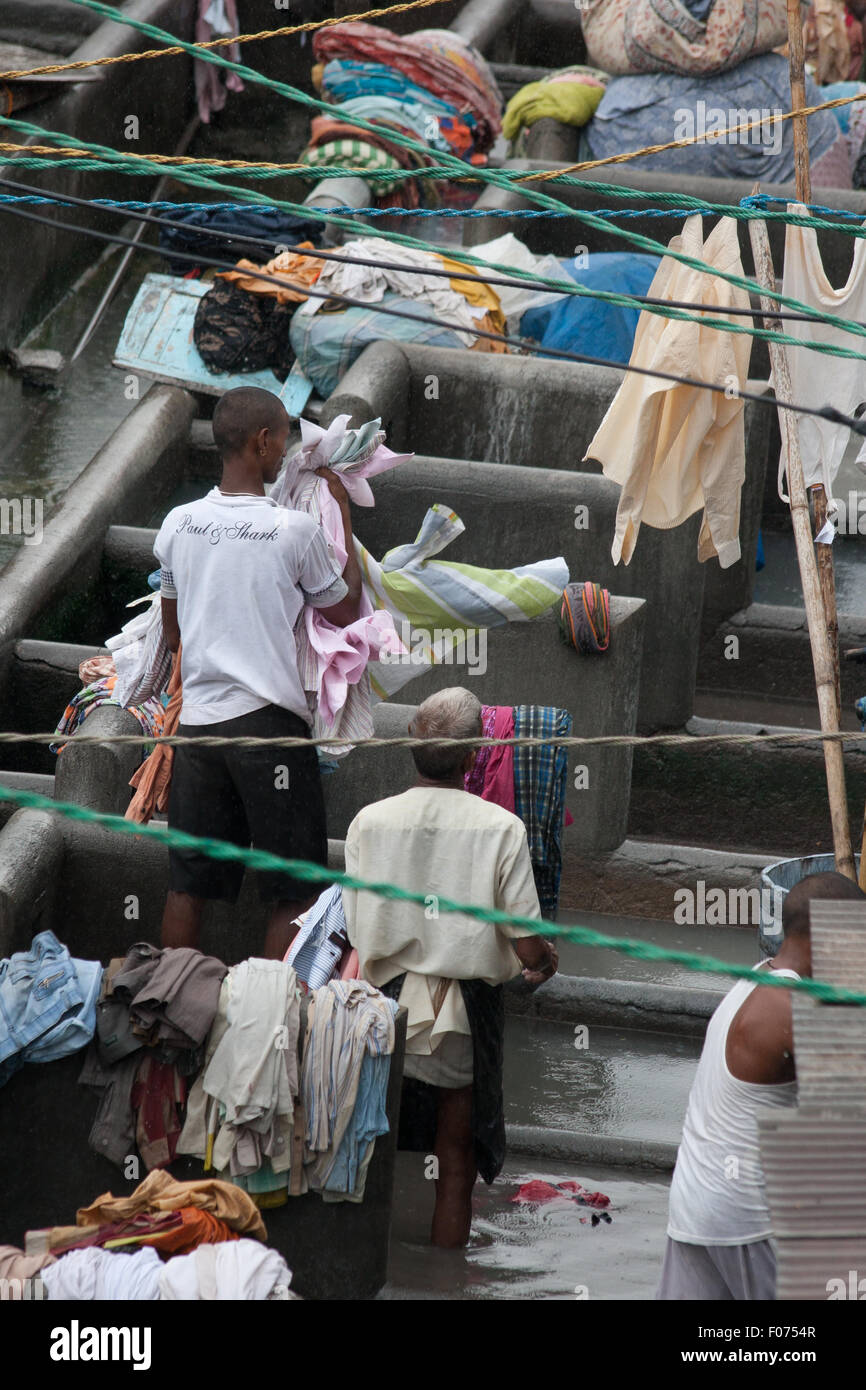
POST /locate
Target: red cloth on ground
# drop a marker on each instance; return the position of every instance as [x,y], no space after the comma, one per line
[538,1192]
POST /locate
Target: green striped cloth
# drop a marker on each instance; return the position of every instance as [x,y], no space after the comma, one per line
[352,154]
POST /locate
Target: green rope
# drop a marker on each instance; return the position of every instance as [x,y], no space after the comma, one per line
[303,869]
[449,162]
[119,163]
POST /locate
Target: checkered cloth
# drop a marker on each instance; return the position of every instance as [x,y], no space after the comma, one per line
[539,795]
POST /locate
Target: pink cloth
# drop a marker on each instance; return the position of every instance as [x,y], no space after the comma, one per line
[210,93]
[492,777]
[340,655]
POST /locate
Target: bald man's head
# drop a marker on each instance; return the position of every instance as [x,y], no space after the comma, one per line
[242,414]
[831,887]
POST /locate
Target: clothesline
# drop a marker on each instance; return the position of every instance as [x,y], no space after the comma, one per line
[565,287]
[645,243]
[858,426]
[316,873]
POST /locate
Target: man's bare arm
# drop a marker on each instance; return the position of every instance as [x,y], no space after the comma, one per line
[760,1043]
[170,624]
[346,611]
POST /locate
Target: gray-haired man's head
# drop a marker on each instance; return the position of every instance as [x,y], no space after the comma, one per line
[453,713]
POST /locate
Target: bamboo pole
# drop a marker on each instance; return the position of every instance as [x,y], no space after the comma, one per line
[803,181]
[822,655]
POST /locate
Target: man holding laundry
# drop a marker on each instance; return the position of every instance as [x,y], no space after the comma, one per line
[236,571]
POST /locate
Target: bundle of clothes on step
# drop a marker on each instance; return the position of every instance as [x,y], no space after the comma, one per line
[693,68]
[277,1092]
[431,86]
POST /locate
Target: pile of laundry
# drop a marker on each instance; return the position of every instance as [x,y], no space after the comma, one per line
[432,87]
[700,67]
[569,95]
[277,1096]
[245,323]
[203,1239]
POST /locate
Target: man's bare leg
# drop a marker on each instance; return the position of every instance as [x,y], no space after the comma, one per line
[281,930]
[455,1151]
[181,919]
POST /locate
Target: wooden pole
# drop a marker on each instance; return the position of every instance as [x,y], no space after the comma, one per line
[822,655]
[803,181]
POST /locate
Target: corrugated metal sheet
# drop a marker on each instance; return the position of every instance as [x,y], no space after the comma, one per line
[814,1168]
[814,1157]
[818,1270]
[838,931]
[830,1048]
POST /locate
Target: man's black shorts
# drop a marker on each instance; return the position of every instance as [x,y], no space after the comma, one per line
[268,797]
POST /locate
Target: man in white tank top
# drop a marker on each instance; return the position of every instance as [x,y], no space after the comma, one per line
[719,1232]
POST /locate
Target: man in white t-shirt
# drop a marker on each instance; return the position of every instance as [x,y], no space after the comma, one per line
[446,969]
[719,1231]
[236,572]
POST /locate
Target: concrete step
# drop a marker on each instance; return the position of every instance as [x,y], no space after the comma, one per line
[760,793]
[764,652]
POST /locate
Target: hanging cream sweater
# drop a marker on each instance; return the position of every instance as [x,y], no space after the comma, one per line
[676,449]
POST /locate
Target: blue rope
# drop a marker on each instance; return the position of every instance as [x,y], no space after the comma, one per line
[359,212]
[762,200]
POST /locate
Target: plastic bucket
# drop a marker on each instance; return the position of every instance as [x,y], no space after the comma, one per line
[777,880]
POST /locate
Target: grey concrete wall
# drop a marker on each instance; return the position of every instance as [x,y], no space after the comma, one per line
[99,777]
[515,513]
[31,866]
[526,665]
[48,590]
[38,263]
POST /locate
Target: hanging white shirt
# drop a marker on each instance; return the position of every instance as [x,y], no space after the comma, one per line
[818,379]
[673,448]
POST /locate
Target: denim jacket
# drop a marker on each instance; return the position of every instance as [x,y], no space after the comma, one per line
[47,1004]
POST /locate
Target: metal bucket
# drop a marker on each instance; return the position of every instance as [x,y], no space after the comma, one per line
[777,880]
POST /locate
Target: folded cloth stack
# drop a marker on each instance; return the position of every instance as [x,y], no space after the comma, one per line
[438,61]
[47,1004]
[241,1270]
[569,95]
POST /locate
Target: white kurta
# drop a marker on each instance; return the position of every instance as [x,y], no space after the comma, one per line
[450,843]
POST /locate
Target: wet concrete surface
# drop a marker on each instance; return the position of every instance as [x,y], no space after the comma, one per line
[518,1251]
[779,581]
[606,1081]
[48,436]
[738,945]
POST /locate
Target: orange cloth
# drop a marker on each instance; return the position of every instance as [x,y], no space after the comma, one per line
[153,779]
[199,1228]
[161,1192]
[306,269]
[489,324]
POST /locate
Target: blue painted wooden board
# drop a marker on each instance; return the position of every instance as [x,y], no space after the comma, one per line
[157,342]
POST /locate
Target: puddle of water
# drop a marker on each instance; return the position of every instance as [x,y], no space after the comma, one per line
[739,946]
[619,1083]
[531,1252]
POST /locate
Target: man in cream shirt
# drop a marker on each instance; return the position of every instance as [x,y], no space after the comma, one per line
[447,969]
